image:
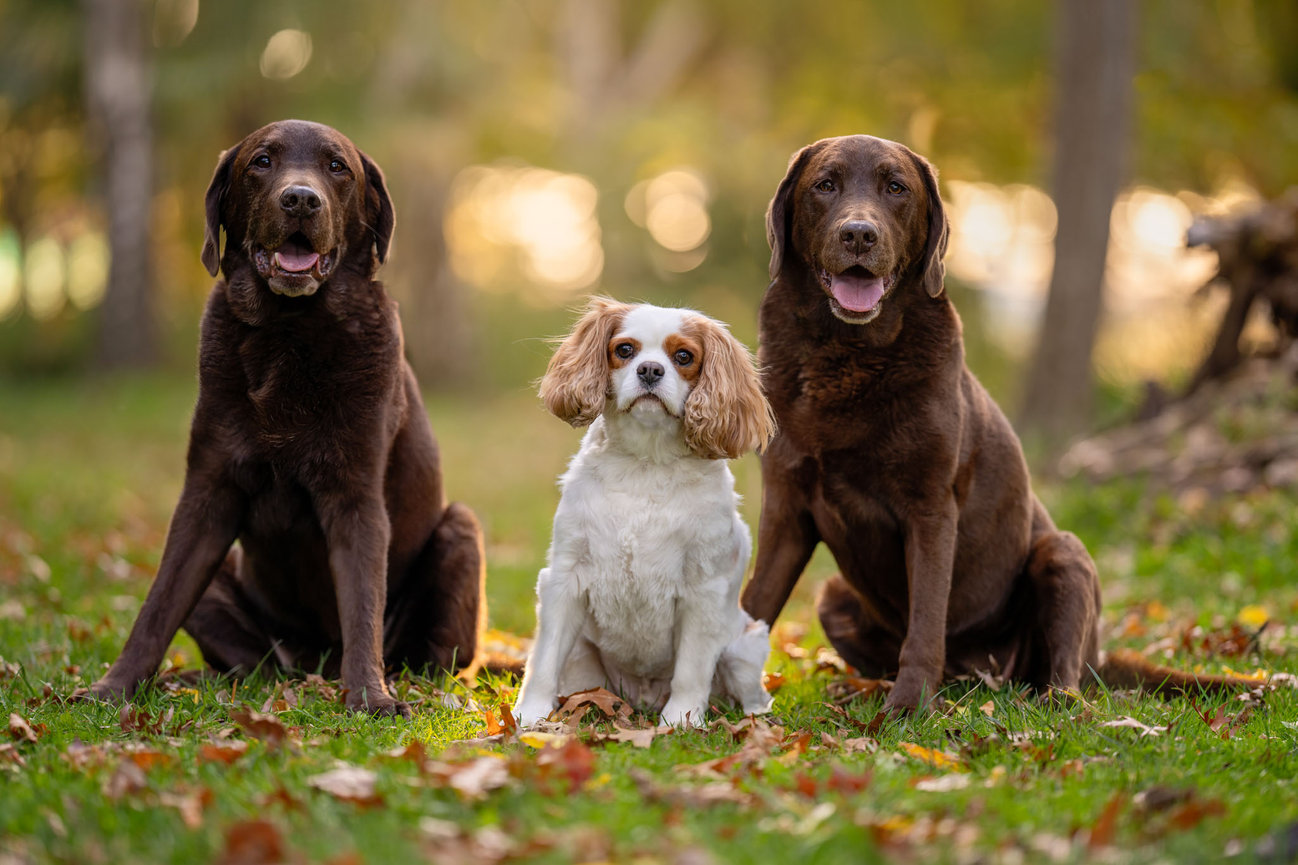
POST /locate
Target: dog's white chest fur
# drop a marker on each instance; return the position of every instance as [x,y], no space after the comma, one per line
[643,538]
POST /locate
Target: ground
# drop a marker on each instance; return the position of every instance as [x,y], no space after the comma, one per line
[265,769]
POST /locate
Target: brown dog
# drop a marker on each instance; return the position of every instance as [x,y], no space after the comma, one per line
[309,445]
[892,453]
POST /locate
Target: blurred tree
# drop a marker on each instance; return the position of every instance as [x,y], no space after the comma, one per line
[118,72]
[1096,62]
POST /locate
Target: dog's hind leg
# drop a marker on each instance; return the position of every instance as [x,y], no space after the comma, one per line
[873,651]
[224,627]
[1067,594]
[741,668]
[439,618]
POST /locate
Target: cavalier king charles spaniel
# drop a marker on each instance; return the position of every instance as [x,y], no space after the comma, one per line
[642,590]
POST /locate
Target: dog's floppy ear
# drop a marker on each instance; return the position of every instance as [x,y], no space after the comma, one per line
[933,270]
[726,414]
[213,201]
[575,385]
[380,215]
[778,213]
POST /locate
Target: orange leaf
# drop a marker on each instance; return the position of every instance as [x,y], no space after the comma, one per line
[253,842]
[221,752]
[1107,824]
[268,728]
[936,759]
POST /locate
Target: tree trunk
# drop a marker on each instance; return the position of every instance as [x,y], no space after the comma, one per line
[1096,42]
[118,87]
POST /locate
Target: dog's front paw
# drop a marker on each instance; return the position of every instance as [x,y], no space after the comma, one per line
[379,705]
[910,693]
[683,714]
[531,713]
[104,691]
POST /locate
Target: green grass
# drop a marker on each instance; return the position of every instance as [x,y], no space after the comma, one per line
[89,471]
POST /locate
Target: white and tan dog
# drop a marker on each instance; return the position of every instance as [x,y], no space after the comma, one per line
[648,553]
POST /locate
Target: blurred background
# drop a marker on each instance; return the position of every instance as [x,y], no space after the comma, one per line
[542,150]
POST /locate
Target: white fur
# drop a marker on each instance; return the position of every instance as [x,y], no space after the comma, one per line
[648,553]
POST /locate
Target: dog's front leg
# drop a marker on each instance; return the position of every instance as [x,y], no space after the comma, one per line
[202,529]
[701,635]
[560,617]
[358,533]
[930,560]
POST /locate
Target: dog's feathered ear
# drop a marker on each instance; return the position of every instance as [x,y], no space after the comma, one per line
[213,202]
[778,213]
[726,414]
[576,382]
[380,215]
[933,270]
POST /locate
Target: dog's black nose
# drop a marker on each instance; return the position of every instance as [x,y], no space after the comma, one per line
[649,372]
[858,235]
[299,201]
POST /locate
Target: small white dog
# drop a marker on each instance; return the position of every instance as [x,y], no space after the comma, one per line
[642,590]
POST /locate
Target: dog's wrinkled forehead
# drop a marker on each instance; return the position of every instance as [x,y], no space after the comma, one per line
[300,143]
[860,158]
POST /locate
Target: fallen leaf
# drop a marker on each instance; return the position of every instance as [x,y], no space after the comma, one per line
[147,759]
[267,728]
[610,705]
[1129,722]
[136,720]
[9,754]
[943,783]
[253,842]
[126,779]
[221,752]
[475,778]
[190,805]
[936,759]
[639,738]
[1106,824]
[348,783]
[21,730]
[414,751]
[773,682]
[1192,813]
[849,688]
[1253,616]
[571,760]
[537,739]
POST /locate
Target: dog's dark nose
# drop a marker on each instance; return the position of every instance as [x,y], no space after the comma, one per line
[299,201]
[858,235]
[649,372]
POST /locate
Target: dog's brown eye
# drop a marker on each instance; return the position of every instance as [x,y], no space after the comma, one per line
[262,161]
[624,350]
[337,166]
[896,188]
[826,185]
[683,357]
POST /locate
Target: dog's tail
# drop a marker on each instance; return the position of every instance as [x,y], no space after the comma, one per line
[1127,668]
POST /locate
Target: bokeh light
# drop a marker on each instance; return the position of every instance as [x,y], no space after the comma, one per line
[506,221]
[44,271]
[286,54]
[673,208]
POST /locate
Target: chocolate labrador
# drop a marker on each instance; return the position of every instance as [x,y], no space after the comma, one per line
[892,453]
[309,446]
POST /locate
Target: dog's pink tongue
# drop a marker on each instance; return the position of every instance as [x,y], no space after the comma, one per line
[294,258]
[856,293]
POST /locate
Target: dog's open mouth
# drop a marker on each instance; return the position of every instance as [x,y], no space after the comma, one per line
[295,268]
[856,295]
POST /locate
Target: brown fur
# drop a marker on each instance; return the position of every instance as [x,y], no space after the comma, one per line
[310,447]
[893,455]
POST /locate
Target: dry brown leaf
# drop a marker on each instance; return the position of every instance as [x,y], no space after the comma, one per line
[126,779]
[191,805]
[21,730]
[267,728]
[253,842]
[1127,721]
[9,755]
[474,778]
[610,705]
[348,783]
[641,738]
[1106,825]
[572,761]
[222,752]
[146,759]
[136,720]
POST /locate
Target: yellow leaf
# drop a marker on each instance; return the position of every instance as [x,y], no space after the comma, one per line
[1259,675]
[534,739]
[1155,611]
[936,759]
[1253,616]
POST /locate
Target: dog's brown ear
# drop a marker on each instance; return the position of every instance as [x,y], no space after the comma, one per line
[778,214]
[380,215]
[213,202]
[933,270]
[726,414]
[576,382]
